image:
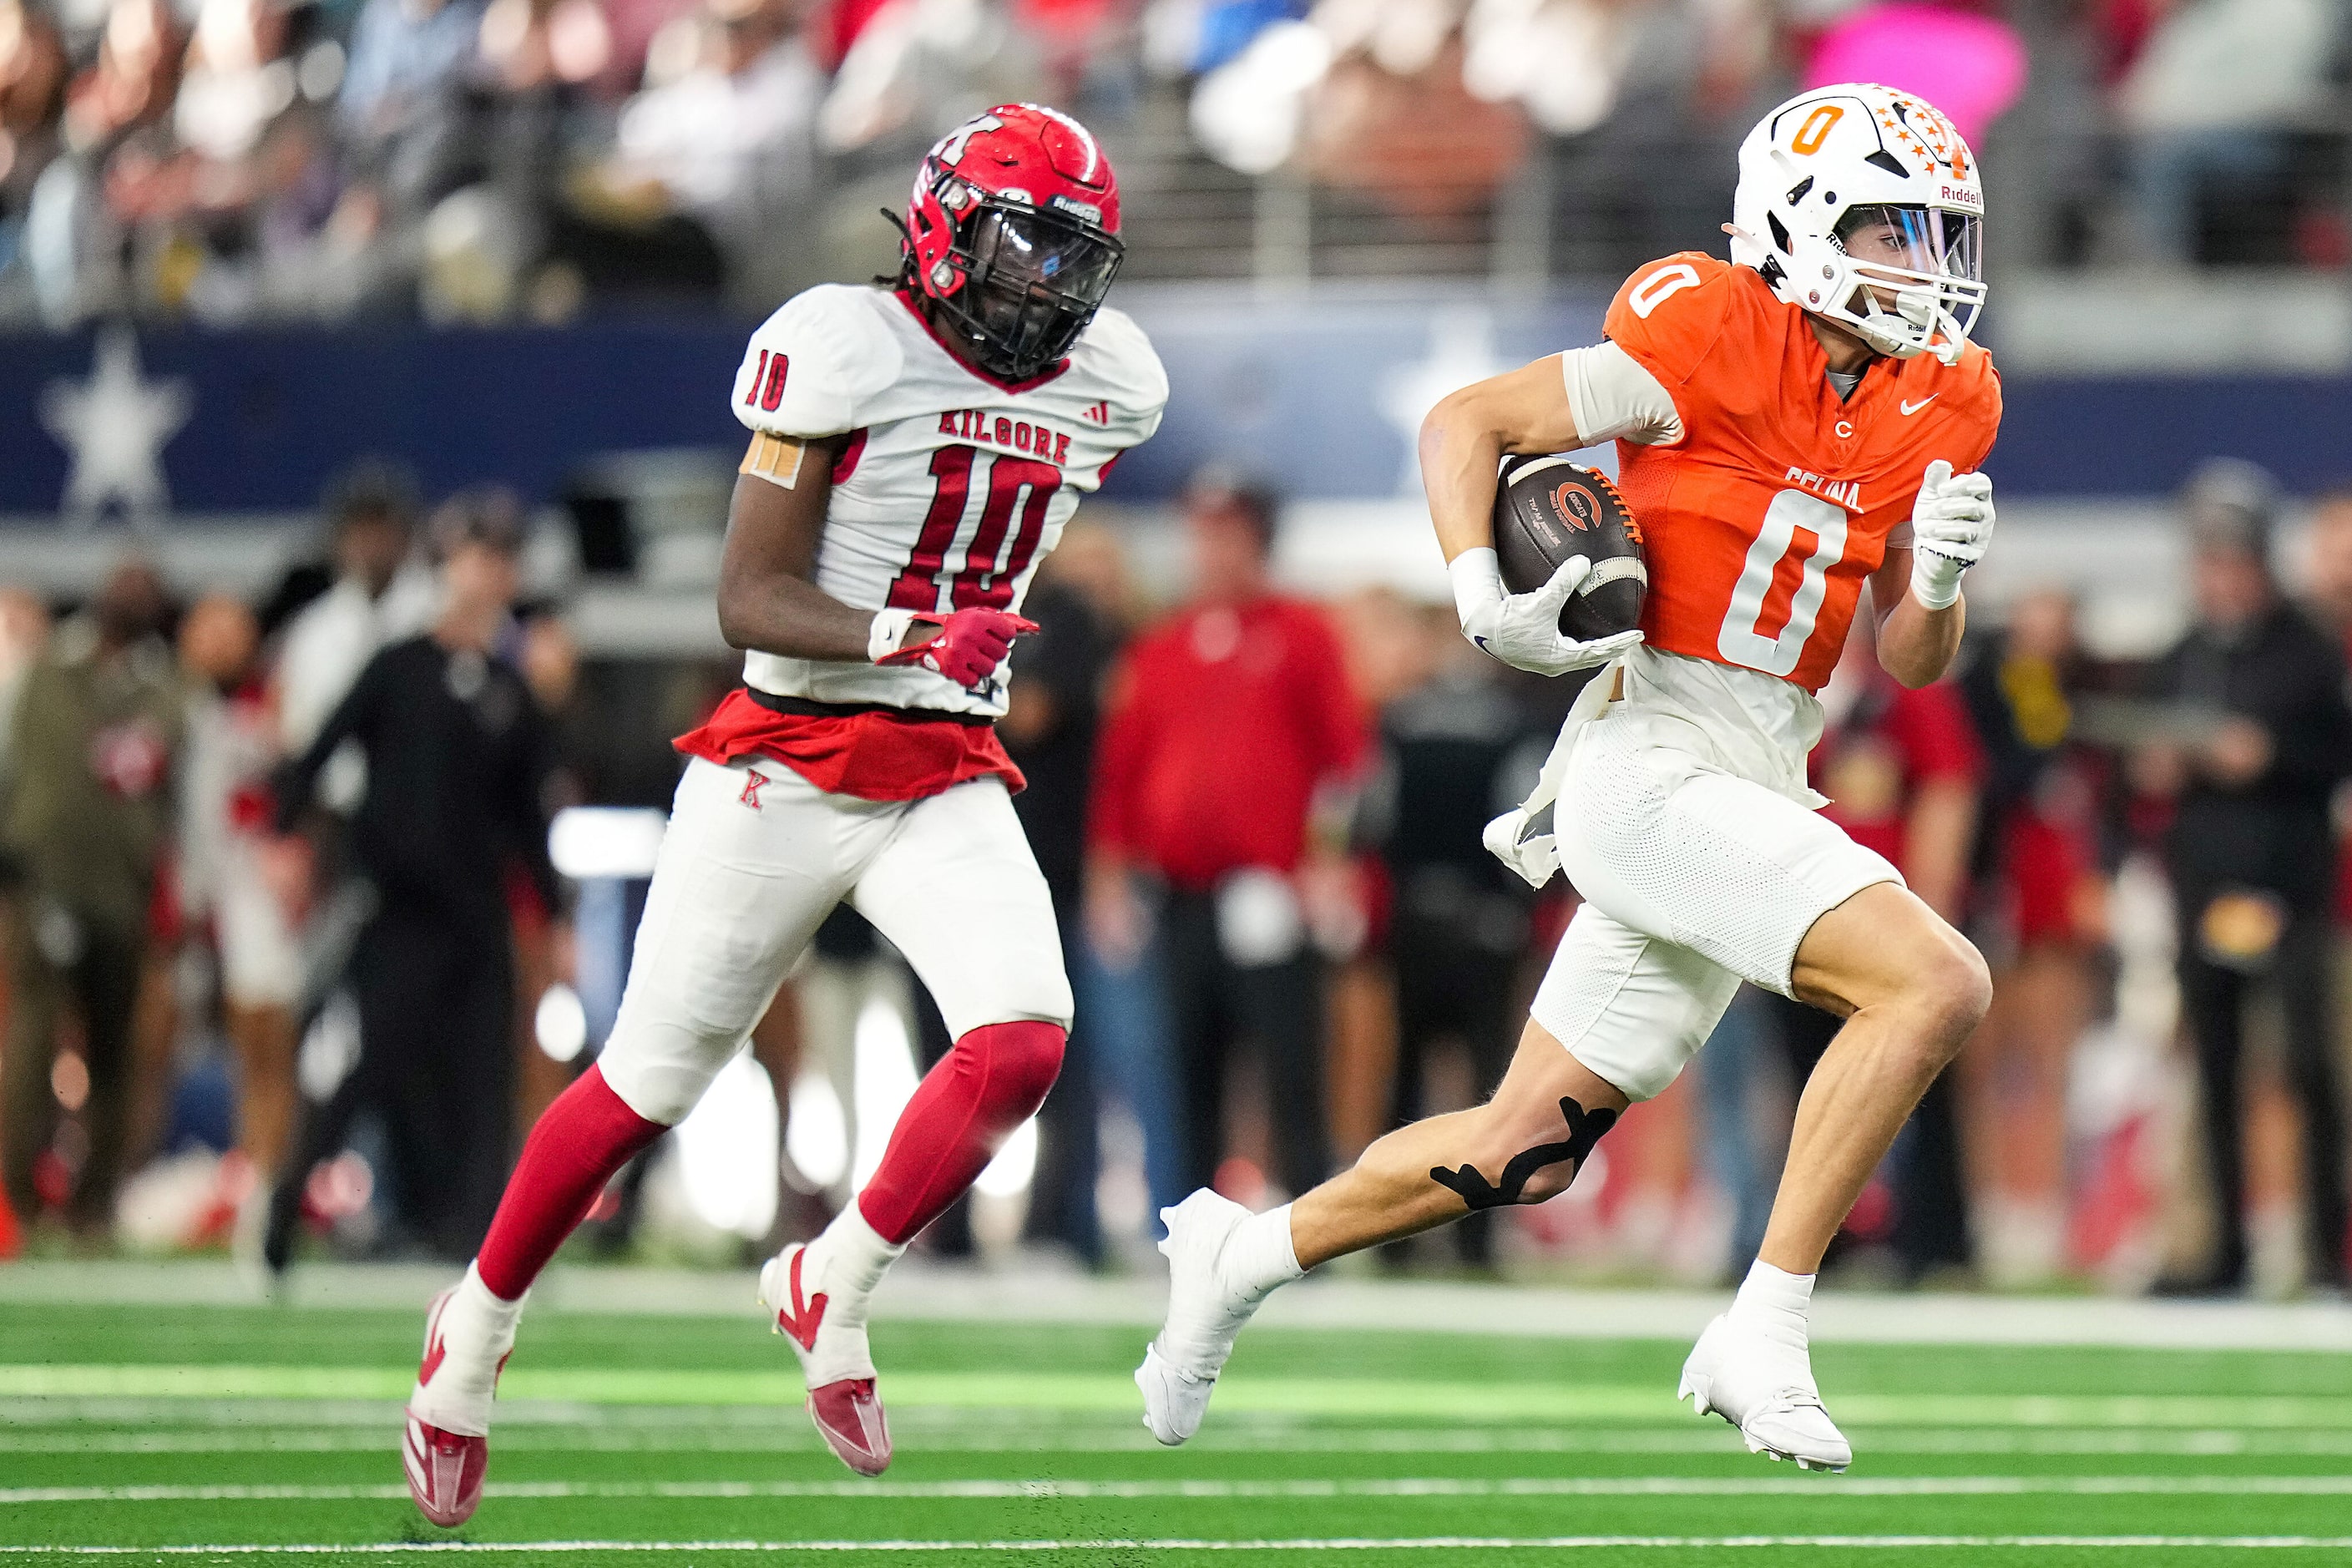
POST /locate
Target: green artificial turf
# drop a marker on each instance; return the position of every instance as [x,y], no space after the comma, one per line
[135,1428]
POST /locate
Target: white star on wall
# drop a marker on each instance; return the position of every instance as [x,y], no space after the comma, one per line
[1461,351]
[115,425]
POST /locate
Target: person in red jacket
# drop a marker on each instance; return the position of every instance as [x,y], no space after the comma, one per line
[1232,740]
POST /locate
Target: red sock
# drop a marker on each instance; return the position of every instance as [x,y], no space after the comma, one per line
[966,1106]
[585,1136]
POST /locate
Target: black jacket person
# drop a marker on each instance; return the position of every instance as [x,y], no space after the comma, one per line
[2251,853]
[458,760]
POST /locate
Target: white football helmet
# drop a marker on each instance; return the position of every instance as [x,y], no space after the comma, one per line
[1881,170]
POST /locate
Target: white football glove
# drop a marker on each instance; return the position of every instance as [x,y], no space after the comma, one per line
[1523,629]
[1951,524]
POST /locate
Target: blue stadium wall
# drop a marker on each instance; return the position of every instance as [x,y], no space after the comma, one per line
[1309,393]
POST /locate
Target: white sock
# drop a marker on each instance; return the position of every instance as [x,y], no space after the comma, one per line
[495,1313]
[1775,1302]
[477,1329]
[852,1258]
[1258,1257]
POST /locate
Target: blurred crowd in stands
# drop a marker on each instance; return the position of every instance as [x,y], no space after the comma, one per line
[287,957]
[473,160]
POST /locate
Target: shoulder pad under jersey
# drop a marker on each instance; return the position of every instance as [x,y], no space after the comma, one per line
[810,368]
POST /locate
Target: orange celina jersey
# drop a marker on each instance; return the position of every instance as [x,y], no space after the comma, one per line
[1763,521]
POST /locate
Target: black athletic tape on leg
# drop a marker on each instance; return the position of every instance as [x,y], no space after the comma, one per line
[1584,1129]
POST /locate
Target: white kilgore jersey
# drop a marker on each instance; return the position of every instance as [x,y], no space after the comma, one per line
[953,487]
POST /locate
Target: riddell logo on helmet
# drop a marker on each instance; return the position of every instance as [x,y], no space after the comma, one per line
[1959,195]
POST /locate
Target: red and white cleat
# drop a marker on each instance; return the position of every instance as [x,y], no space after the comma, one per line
[446,1447]
[827,1330]
[849,1415]
[446,1471]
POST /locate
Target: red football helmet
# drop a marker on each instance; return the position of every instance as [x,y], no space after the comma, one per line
[1013,236]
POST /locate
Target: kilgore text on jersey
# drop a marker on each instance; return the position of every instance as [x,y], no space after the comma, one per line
[978,424]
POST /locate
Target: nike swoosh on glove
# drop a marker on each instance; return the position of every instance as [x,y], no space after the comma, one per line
[970,647]
[1523,629]
[1952,525]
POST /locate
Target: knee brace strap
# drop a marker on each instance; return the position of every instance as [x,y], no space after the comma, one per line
[1584,1129]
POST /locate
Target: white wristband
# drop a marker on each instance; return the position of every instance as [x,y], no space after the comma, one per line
[1935,578]
[1477,579]
[887,631]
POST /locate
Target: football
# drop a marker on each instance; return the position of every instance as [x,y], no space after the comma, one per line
[1550,508]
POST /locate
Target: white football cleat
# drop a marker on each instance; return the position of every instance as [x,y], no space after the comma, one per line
[1765,1388]
[828,1335]
[445,1446]
[1204,1313]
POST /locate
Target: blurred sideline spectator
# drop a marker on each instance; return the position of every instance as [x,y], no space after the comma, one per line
[2213,105]
[23,633]
[2258,693]
[405,56]
[234,877]
[88,826]
[1128,1040]
[1216,814]
[1903,769]
[381,594]
[2041,920]
[33,74]
[1399,127]
[2330,603]
[549,657]
[457,768]
[486,160]
[714,156]
[1958,55]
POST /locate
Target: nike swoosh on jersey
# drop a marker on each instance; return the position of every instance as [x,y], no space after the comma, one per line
[1910,408]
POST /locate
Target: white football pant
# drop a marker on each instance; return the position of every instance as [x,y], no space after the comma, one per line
[757,857]
[1693,880]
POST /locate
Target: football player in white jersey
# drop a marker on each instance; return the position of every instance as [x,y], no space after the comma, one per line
[917,449]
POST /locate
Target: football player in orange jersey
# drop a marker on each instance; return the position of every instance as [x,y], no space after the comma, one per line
[1790,426]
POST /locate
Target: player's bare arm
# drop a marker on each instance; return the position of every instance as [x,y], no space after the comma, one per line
[1951,527]
[768,598]
[1463,442]
[1465,438]
[1915,643]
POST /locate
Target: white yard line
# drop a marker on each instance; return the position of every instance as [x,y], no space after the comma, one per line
[1810,1488]
[1108,1398]
[928,1292]
[588,1435]
[1336,1543]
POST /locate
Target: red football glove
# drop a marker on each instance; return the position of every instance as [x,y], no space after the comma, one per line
[972,644]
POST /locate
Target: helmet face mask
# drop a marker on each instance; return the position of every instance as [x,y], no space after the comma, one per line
[1013,237]
[1030,283]
[1862,206]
